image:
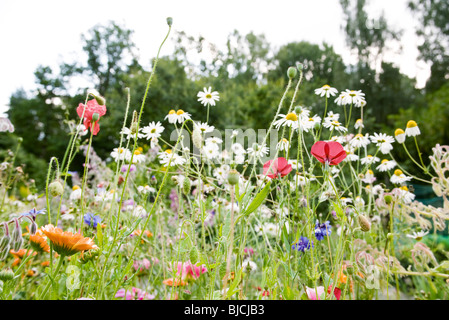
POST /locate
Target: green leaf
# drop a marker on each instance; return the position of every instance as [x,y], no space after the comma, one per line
[258,199]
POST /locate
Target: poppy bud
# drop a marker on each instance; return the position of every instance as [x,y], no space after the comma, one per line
[222,270]
[95,117]
[169,21]
[233,177]
[300,66]
[364,223]
[186,184]
[100,100]
[292,72]
[388,198]
[194,255]
[56,188]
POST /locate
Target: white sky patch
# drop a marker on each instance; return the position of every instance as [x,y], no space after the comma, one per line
[48,32]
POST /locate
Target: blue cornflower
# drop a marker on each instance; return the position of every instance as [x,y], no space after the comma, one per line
[302,245]
[92,220]
[322,229]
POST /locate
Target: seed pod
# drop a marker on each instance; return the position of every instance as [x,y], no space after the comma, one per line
[388,199]
[169,21]
[56,188]
[100,100]
[95,116]
[233,177]
[364,223]
[292,72]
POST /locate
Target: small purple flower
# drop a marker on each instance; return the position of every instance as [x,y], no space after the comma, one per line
[124,168]
[321,230]
[33,213]
[302,245]
[92,220]
[174,206]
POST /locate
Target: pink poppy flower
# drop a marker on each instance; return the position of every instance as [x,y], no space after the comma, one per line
[89,109]
[330,152]
[134,294]
[188,270]
[277,167]
[312,294]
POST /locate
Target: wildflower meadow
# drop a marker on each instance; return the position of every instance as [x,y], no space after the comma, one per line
[311,207]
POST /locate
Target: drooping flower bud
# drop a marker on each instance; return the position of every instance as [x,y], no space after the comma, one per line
[95,117]
[4,242]
[194,255]
[56,188]
[169,21]
[300,66]
[186,184]
[16,234]
[4,252]
[292,72]
[388,199]
[364,223]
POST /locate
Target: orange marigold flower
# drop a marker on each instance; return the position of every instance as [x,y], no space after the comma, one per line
[39,242]
[45,263]
[174,282]
[67,243]
[19,255]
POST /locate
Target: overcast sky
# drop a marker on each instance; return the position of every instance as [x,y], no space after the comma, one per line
[47,32]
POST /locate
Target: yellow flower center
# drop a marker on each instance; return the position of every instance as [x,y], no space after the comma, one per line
[384,161]
[411,124]
[359,121]
[168,151]
[140,149]
[397,172]
[75,187]
[359,135]
[369,156]
[326,87]
[172,112]
[398,132]
[291,117]
[208,96]
[153,130]
[370,172]
[137,152]
[120,150]
[352,93]
[404,188]
[179,112]
[336,123]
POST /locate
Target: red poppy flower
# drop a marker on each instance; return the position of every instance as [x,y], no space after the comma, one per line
[337,292]
[330,152]
[89,110]
[276,167]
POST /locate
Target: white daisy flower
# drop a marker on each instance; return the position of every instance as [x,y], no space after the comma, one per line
[351,156]
[351,97]
[369,177]
[137,158]
[359,141]
[406,195]
[289,120]
[153,130]
[417,235]
[386,165]
[345,201]
[258,151]
[400,135]
[359,124]
[399,177]
[207,97]
[359,202]
[283,145]
[334,125]
[76,193]
[249,264]
[120,154]
[237,148]
[166,156]
[145,189]
[127,133]
[412,129]
[383,141]
[295,164]
[204,127]
[326,90]
[81,129]
[331,116]
[339,139]
[210,151]
[214,140]
[177,116]
[369,159]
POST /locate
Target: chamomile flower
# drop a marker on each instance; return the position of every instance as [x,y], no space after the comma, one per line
[351,97]
[129,135]
[334,125]
[137,158]
[369,159]
[417,235]
[331,116]
[386,165]
[406,195]
[177,116]
[207,97]
[359,141]
[312,121]
[359,124]
[399,177]
[214,140]
[412,129]
[345,201]
[283,145]
[237,148]
[204,127]
[351,156]
[326,90]
[400,135]
[221,173]
[369,177]
[383,141]
[166,156]
[295,164]
[210,151]
[120,154]
[289,120]
[153,130]
[145,189]
[258,151]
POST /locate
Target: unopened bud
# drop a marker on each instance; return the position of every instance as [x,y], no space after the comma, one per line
[56,188]
[298,109]
[364,223]
[100,100]
[134,128]
[169,21]
[233,177]
[4,253]
[292,72]
[95,117]
[6,275]
[300,66]
[388,199]
[153,180]
[222,270]
[186,184]
[194,255]
[16,233]
[4,242]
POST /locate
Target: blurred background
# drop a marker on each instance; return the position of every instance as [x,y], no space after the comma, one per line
[396,52]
